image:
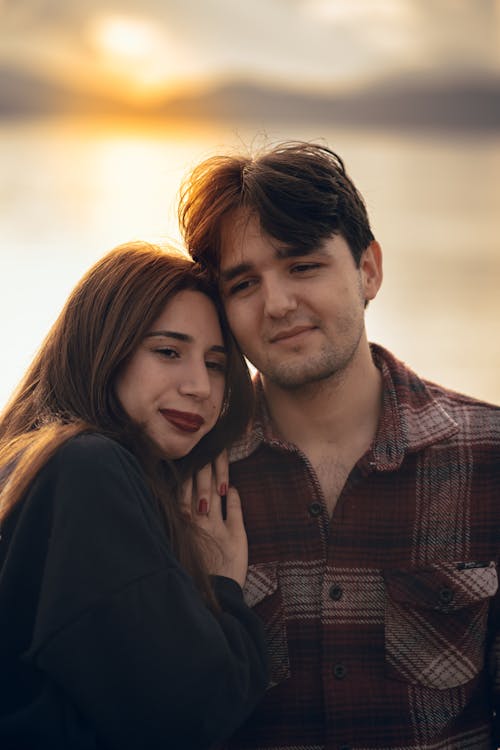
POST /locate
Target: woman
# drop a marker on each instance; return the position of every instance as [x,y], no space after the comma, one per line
[122,623]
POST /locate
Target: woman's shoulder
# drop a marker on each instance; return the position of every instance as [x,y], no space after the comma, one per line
[94,475]
[96,449]
[95,463]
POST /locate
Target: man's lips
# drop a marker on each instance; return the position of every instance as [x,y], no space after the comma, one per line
[183,420]
[290,333]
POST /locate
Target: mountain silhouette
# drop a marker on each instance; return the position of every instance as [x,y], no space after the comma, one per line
[24,94]
[461,104]
[468,103]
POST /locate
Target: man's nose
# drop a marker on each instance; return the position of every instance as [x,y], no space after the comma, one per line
[279,298]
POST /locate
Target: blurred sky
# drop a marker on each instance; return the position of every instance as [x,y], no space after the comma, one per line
[144,48]
[69,190]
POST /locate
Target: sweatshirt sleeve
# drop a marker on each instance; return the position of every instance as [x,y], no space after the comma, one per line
[122,629]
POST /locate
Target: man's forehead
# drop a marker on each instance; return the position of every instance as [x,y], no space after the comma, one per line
[242,233]
[237,228]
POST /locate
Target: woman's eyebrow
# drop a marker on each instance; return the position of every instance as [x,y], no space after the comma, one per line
[183,337]
[170,335]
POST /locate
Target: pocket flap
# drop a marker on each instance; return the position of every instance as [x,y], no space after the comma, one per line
[261,582]
[443,586]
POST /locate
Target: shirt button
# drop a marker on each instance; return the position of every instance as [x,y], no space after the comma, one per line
[336,592]
[339,671]
[446,596]
[315,509]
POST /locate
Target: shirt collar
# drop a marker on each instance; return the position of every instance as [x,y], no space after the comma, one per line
[411,419]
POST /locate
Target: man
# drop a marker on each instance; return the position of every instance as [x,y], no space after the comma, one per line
[371,497]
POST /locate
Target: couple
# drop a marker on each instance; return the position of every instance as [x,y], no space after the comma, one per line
[370,498]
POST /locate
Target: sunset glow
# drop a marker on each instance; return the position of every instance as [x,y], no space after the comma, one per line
[346,11]
[133,55]
[117,36]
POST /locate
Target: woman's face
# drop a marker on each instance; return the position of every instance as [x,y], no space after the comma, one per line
[173,385]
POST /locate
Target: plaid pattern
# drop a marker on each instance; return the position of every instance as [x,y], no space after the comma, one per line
[383,622]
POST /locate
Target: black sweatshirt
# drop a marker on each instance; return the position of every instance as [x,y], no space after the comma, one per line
[104,640]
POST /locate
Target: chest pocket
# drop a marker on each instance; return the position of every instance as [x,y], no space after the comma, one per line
[262,593]
[435,622]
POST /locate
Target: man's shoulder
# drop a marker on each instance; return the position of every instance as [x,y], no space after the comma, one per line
[476,418]
[422,399]
[462,401]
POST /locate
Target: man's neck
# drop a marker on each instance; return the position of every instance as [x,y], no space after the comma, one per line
[341,411]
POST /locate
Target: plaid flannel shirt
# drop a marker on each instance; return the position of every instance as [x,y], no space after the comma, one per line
[383,622]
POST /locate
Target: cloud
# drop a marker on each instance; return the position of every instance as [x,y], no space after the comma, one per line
[313,43]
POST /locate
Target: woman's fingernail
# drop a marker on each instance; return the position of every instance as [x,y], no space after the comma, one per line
[203,506]
[223,489]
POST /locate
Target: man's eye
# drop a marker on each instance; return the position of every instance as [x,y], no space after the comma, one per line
[305,267]
[240,286]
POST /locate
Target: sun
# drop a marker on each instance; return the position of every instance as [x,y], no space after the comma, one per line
[132,55]
[124,37]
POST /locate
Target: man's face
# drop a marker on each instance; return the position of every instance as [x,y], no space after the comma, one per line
[299,318]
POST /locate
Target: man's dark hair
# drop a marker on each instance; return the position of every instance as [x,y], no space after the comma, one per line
[300,191]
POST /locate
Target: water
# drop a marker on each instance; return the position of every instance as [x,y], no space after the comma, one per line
[71,191]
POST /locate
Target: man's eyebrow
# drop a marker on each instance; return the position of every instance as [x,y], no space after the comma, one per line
[296,251]
[290,251]
[182,337]
[233,271]
[282,253]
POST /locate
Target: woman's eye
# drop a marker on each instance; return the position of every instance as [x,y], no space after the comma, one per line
[216,366]
[168,352]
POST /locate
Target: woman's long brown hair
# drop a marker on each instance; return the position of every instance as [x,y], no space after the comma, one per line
[69,387]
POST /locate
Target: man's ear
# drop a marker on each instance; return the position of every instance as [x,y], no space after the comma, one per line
[371,270]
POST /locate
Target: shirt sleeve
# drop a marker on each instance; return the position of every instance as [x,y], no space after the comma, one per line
[494,662]
[121,627]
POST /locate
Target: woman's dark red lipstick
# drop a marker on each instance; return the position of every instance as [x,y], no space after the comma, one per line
[183,420]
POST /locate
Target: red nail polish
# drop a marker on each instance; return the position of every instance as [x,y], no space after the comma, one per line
[223,489]
[203,506]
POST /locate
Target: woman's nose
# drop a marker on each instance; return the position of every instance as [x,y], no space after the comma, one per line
[196,382]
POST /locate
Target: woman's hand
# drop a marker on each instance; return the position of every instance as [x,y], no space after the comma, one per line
[226,549]
[216,472]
